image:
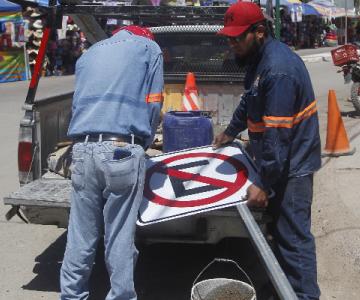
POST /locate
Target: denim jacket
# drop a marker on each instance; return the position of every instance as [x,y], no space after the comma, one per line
[279,109]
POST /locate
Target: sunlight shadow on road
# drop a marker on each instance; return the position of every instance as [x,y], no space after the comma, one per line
[47,267]
[47,271]
[164,271]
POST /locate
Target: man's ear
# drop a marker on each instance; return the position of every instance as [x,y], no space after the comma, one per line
[260,32]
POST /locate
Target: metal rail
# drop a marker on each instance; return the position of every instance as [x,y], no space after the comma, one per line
[155,13]
[135,12]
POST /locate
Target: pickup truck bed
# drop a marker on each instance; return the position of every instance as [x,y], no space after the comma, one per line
[47,201]
[50,191]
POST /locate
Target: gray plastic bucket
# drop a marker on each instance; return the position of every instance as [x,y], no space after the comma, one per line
[222,288]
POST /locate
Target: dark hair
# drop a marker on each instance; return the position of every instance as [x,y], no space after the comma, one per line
[267,24]
[252,28]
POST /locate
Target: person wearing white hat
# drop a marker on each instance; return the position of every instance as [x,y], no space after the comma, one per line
[28,11]
[35,14]
[38,33]
[31,51]
[37,24]
[36,43]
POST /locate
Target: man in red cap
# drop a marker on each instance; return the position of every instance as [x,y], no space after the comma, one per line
[115,112]
[141,31]
[278,108]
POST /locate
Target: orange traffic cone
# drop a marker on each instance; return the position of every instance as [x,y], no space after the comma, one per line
[191,99]
[337,142]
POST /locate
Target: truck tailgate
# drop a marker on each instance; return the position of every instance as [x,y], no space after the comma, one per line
[45,192]
[47,201]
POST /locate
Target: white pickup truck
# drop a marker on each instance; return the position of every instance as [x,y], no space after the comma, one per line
[44,196]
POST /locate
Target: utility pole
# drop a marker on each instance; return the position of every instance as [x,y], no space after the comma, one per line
[346,23]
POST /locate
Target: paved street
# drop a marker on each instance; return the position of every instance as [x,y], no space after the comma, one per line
[24,248]
[303,52]
[30,255]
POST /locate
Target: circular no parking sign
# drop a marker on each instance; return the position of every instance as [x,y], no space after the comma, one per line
[223,188]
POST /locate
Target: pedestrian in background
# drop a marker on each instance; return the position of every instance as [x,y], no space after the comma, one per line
[115,112]
[279,109]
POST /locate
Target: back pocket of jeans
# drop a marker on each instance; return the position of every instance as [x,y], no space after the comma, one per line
[120,174]
[77,173]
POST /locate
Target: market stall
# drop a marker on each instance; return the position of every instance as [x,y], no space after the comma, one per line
[300,24]
[12,56]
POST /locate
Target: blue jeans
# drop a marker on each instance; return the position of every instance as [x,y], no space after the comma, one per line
[105,199]
[294,243]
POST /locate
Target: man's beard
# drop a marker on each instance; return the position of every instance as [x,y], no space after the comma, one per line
[244,60]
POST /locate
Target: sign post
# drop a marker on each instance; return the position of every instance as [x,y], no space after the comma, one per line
[272,267]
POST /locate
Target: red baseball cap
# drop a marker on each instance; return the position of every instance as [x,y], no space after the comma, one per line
[239,17]
[141,31]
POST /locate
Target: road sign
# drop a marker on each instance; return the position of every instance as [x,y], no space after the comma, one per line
[188,182]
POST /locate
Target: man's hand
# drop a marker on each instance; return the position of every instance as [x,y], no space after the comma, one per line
[222,139]
[256,196]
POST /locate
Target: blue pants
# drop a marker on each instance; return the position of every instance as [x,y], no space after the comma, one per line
[294,243]
[105,199]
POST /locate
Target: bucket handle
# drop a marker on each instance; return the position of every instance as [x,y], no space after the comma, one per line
[192,113]
[224,260]
[184,113]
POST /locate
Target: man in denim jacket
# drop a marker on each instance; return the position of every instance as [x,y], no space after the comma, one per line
[115,112]
[279,110]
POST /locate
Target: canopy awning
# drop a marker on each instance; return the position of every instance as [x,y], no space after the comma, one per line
[10,11]
[330,10]
[6,6]
[307,10]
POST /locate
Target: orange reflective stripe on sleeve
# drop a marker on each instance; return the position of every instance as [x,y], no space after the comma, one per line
[307,112]
[289,122]
[153,98]
[255,126]
[284,122]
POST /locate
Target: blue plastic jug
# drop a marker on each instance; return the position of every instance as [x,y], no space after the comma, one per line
[183,130]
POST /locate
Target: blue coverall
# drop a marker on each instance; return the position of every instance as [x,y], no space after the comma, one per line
[279,109]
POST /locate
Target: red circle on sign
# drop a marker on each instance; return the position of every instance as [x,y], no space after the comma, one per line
[241,178]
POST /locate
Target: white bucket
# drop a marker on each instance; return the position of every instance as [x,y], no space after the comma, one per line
[222,288]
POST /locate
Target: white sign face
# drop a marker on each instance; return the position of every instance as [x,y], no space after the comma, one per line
[192,181]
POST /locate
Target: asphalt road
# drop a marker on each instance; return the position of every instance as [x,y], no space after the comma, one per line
[30,255]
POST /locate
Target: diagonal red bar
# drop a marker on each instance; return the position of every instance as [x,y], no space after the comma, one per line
[196,177]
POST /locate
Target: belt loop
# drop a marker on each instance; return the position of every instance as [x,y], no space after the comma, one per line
[86,139]
[100,137]
[132,139]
